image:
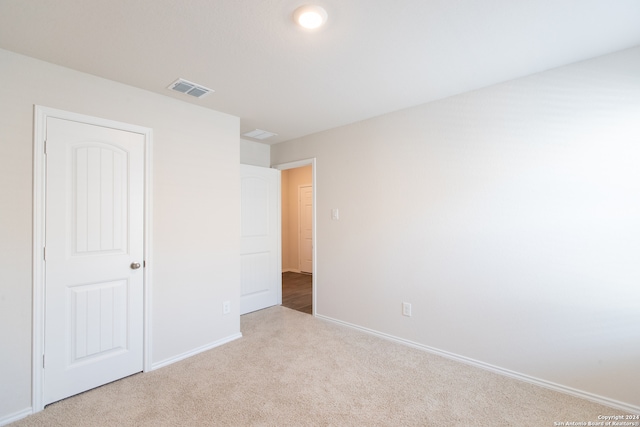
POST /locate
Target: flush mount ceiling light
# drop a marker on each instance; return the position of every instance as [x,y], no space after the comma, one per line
[310,16]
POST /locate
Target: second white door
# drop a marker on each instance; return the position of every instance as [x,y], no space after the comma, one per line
[305,204]
[260,270]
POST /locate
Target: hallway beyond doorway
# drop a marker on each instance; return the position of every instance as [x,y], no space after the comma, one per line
[297,291]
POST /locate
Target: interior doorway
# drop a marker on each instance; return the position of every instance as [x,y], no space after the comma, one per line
[298,235]
[297,239]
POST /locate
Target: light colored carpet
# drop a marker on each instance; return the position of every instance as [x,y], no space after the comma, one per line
[291,369]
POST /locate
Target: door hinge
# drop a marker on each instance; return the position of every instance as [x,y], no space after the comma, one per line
[43,361]
[45,146]
[44,253]
[144,264]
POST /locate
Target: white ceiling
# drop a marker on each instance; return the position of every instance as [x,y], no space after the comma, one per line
[372,57]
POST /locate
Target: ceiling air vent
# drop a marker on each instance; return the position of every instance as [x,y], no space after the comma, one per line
[259,134]
[189,88]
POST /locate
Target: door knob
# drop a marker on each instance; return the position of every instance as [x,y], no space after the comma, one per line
[135,265]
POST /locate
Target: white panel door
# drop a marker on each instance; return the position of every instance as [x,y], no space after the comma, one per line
[94,241]
[305,204]
[260,269]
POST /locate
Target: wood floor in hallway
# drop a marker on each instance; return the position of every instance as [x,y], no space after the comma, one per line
[297,292]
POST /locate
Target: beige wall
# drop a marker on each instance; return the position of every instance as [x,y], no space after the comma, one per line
[255,153]
[507,217]
[291,179]
[196,212]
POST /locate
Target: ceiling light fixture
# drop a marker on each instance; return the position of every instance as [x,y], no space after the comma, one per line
[310,16]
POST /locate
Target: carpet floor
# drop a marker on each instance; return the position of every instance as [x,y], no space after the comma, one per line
[291,369]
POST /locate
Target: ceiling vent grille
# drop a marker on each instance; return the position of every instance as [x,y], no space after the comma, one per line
[259,134]
[189,88]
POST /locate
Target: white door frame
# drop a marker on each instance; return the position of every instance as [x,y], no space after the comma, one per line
[39,215]
[314,276]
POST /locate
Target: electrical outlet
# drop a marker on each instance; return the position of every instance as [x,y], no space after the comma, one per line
[226,307]
[406,309]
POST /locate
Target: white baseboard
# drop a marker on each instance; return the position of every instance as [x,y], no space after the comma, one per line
[8,419]
[195,351]
[293,270]
[506,372]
